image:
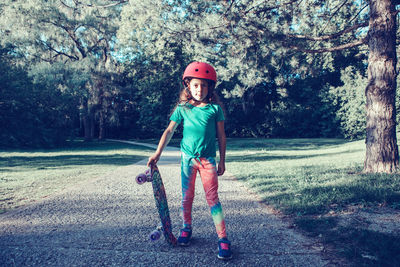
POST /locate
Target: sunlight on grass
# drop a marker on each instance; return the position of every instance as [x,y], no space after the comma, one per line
[26,176]
[308,176]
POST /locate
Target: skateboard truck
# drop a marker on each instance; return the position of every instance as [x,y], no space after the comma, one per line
[144,177]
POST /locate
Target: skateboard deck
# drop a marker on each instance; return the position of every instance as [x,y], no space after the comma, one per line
[153,175]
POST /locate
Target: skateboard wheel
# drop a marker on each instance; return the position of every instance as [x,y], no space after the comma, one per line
[155,235]
[141,178]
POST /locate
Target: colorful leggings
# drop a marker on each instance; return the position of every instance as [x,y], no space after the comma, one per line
[208,173]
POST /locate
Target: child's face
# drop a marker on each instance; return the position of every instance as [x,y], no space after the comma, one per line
[199,89]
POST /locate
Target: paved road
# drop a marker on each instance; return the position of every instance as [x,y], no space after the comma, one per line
[106,222]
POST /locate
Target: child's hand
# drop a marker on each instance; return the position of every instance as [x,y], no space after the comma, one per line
[221,168]
[153,160]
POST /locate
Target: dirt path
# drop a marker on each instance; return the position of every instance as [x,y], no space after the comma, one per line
[106,222]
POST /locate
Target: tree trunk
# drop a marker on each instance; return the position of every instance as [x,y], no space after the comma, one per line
[92,124]
[102,126]
[381,143]
[86,128]
[87,121]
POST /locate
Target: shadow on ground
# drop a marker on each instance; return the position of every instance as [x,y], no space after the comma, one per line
[362,246]
[43,162]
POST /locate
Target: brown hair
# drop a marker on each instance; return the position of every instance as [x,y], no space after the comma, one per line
[185,96]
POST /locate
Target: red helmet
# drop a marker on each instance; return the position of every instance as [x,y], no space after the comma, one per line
[200,70]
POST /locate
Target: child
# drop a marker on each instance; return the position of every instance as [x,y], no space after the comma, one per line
[203,121]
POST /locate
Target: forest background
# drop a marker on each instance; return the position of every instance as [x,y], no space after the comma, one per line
[112,68]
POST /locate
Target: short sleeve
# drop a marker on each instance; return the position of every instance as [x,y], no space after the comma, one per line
[220,114]
[177,115]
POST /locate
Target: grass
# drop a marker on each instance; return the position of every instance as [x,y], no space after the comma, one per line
[29,175]
[309,176]
[310,179]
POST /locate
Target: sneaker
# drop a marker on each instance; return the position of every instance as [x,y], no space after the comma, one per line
[185,236]
[224,248]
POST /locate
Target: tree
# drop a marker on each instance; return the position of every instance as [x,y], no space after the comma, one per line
[32,114]
[251,39]
[69,32]
[381,143]
[382,151]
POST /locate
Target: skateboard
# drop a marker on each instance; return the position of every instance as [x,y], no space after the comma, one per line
[153,175]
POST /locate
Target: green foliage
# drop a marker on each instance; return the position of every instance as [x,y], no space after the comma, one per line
[153,89]
[31,114]
[306,107]
[350,100]
[119,64]
[59,31]
[268,89]
[78,37]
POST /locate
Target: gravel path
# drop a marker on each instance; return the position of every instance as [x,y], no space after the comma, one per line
[106,222]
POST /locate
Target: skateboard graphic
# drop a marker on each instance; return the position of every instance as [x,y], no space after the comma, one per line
[153,175]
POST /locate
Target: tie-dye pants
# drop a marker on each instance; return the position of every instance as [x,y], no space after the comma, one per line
[209,177]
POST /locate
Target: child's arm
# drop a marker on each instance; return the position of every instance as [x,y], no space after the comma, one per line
[164,140]
[222,147]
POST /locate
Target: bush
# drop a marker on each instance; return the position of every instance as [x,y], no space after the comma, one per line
[350,101]
[31,115]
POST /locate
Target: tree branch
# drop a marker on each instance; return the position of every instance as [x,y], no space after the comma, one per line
[64,4]
[265,9]
[359,12]
[334,14]
[119,2]
[71,34]
[329,36]
[331,49]
[74,38]
[90,49]
[58,53]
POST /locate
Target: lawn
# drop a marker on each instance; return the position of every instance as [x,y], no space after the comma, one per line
[309,176]
[313,180]
[29,175]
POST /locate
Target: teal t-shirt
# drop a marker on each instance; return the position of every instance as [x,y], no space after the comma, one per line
[199,128]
